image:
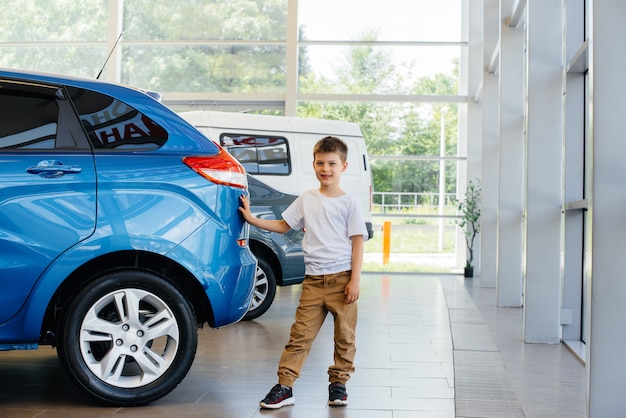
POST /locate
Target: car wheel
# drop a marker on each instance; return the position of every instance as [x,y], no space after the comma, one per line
[264,290]
[128,338]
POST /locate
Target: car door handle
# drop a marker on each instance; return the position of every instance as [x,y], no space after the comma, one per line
[53,168]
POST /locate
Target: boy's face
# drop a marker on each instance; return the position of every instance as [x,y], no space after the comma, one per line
[328,167]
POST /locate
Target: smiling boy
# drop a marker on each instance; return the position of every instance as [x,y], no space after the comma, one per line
[333,257]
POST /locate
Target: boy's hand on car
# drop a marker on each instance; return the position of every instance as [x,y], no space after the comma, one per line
[245,210]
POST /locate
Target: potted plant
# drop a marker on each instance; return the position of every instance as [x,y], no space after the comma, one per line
[469,221]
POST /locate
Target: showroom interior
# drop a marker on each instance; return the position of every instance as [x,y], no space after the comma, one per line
[528,111]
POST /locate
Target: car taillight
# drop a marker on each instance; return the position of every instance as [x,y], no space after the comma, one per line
[221,168]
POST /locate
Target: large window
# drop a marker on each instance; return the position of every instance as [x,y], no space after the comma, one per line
[59,36]
[396,68]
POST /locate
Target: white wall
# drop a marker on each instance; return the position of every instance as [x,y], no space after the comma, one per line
[607,337]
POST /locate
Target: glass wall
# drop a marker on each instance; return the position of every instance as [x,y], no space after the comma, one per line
[394,67]
[233,46]
[62,36]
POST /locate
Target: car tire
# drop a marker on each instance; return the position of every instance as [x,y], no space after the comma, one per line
[128,338]
[264,290]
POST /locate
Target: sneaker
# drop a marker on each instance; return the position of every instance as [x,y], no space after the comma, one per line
[278,397]
[337,394]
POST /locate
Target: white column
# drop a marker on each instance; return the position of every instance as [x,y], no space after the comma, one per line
[544,133]
[511,160]
[113,67]
[573,171]
[490,174]
[475,68]
[291,94]
[607,228]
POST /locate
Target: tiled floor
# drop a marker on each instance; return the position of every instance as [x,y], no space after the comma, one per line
[428,346]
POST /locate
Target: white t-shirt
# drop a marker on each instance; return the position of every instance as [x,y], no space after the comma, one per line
[329,222]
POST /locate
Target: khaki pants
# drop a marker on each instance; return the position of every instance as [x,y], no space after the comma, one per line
[320,295]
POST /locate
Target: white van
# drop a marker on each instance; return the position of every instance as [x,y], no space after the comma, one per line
[278,150]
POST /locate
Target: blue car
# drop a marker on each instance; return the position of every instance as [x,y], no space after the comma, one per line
[119,234]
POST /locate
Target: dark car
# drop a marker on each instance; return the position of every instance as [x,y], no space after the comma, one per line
[119,234]
[280,257]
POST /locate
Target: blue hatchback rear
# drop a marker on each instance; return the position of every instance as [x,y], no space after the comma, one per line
[119,234]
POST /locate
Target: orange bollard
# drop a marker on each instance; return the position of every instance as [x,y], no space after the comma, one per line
[386,242]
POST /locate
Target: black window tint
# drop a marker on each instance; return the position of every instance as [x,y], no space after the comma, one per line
[112,124]
[28,119]
[259,154]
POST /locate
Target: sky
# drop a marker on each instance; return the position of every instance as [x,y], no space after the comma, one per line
[417,20]
[396,20]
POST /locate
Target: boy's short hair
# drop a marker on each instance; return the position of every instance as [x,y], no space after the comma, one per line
[331,144]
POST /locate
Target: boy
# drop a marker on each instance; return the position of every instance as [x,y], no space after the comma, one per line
[333,257]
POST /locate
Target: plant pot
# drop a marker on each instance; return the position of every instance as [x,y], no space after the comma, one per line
[468,272]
